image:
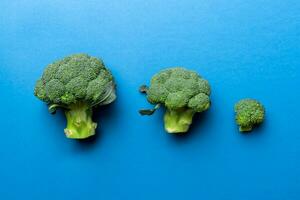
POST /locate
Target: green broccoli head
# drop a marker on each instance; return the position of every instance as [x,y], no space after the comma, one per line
[76,83]
[182,92]
[249,113]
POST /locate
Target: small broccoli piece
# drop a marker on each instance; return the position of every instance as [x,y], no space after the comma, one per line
[76,84]
[183,93]
[249,113]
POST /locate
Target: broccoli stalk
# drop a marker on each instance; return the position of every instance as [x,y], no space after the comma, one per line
[79,121]
[245,128]
[178,120]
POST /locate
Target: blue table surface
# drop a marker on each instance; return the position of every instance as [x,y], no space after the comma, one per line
[244,48]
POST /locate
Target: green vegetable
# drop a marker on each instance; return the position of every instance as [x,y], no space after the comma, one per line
[76,84]
[249,113]
[183,93]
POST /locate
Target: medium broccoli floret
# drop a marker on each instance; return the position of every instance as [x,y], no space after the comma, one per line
[249,113]
[77,84]
[182,92]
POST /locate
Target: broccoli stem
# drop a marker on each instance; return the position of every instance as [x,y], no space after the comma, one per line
[245,128]
[79,121]
[179,120]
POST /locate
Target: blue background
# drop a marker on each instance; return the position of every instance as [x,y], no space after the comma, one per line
[244,48]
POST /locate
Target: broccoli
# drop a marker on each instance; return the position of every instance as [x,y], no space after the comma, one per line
[182,92]
[76,84]
[249,113]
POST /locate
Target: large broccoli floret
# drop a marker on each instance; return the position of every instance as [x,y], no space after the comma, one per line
[77,84]
[182,92]
[249,113]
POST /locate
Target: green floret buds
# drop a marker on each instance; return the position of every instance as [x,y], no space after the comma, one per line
[199,103]
[249,113]
[77,84]
[183,93]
